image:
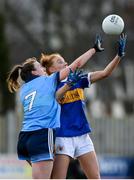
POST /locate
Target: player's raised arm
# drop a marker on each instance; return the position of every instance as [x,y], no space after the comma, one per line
[98,75]
[80,61]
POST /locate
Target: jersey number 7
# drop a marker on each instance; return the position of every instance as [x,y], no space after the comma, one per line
[32,95]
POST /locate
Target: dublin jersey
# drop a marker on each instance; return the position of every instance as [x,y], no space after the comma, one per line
[41,110]
[73,111]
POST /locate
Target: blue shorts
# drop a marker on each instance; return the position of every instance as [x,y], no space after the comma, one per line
[36,145]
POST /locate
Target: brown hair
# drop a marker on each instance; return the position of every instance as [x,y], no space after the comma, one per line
[23,70]
[46,60]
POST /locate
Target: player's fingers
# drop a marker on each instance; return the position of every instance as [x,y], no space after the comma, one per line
[125,36]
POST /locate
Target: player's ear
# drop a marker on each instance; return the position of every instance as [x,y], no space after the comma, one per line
[34,72]
[52,69]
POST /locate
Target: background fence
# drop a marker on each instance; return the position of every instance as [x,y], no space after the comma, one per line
[113,136]
[110,136]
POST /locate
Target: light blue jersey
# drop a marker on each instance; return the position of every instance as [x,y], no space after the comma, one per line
[41,110]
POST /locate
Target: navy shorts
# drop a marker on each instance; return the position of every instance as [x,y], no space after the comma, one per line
[36,145]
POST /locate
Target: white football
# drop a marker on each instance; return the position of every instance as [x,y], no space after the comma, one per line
[113,24]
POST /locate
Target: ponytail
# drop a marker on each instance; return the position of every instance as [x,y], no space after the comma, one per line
[12,80]
[46,60]
[23,71]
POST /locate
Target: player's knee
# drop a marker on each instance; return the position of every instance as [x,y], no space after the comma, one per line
[96,175]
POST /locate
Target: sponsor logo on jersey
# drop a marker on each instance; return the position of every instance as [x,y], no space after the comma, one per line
[72,96]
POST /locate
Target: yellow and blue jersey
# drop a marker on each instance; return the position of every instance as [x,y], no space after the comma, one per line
[41,110]
[73,111]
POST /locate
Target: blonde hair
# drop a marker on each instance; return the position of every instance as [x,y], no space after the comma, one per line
[23,70]
[46,60]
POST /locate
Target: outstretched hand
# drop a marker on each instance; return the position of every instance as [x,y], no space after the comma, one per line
[75,76]
[98,44]
[122,45]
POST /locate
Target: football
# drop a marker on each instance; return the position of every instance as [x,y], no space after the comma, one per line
[113,24]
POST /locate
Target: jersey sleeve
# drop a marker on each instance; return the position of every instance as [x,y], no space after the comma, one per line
[85,82]
[60,85]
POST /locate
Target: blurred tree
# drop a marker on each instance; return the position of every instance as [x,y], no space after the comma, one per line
[7,99]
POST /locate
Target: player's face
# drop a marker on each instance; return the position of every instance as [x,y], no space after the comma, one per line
[58,64]
[39,69]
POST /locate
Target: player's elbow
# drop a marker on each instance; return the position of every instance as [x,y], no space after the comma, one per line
[105,74]
[79,64]
[58,97]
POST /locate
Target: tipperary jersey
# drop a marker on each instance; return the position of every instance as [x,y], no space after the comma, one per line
[73,111]
[41,110]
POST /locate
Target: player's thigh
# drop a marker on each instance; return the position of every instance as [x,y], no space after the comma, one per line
[89,164]
[60,167]
[42,169]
